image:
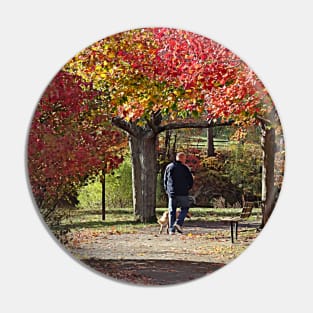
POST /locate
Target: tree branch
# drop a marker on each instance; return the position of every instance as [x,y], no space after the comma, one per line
[150,123]
[155,121]
[155,129]
[198,124]
[119,122]
[263,120]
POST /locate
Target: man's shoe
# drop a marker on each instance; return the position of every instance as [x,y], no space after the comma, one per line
[179,228]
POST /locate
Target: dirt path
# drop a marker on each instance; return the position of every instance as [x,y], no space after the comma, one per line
[147,258]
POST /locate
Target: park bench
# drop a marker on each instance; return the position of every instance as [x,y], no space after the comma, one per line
[234,221]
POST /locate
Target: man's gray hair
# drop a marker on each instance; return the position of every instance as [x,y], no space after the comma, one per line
[179,155]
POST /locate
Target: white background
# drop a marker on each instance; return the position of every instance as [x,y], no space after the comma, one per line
[274,38]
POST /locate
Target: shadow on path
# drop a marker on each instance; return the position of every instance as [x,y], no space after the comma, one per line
[152,272]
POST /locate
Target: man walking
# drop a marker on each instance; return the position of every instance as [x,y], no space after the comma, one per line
[177,182]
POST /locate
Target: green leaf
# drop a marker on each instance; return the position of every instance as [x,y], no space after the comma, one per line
[195,114]
[174,106]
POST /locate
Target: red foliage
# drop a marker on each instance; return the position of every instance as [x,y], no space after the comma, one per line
[65,144]
[193,162]
[173,71]
[216,79]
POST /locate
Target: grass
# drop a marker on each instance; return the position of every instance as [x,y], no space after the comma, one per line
[121,220]
[202,142]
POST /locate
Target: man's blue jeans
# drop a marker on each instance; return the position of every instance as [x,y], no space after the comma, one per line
[173,203]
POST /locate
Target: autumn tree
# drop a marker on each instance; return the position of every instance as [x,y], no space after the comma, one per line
[70,138]
[155,80]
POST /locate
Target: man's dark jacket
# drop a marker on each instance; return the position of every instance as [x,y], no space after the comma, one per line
[177,179]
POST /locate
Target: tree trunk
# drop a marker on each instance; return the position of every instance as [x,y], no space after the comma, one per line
[144,176]
[210,142]
[268,188]
[167,144]
[173,150]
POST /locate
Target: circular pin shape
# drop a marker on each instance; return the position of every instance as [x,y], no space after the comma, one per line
[155,156]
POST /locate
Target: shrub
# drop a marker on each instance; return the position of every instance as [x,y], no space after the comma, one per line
[118,186]
[193,162]
[118,189]
[161,196]
[90,195]
[243,167]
